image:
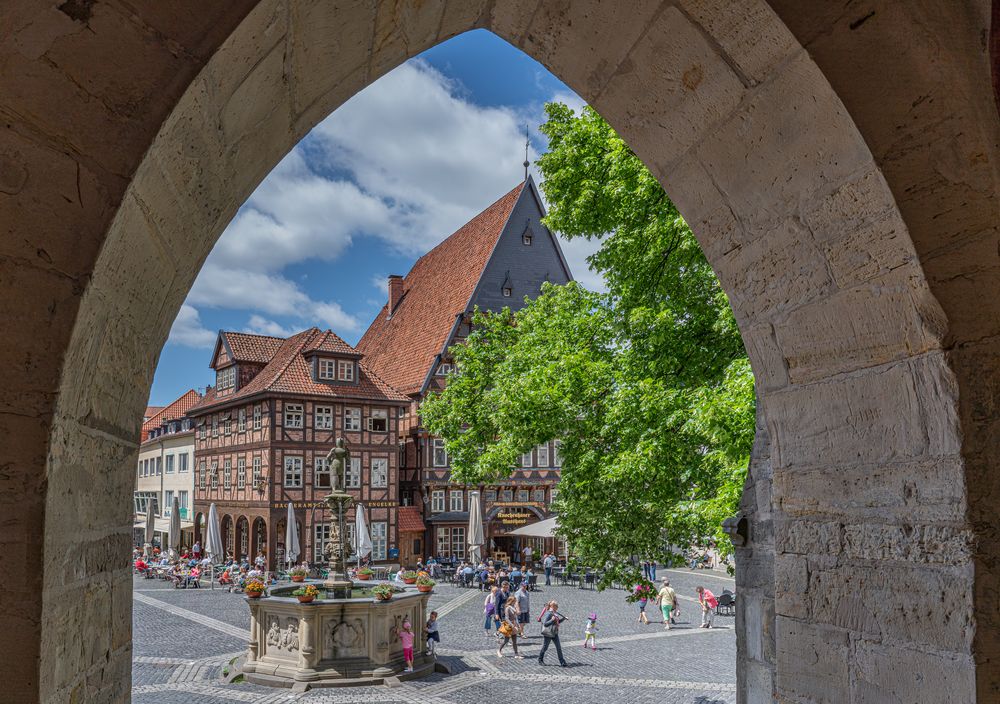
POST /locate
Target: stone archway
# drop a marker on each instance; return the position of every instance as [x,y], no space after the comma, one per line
[199,529]
[839,169]
[242,541]
[228,534]
[258,540]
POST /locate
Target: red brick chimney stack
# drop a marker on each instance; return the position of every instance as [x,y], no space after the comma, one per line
[395,291]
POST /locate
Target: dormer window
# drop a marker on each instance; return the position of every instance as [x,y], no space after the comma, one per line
[445,369]
[345,370]
[328,369]
[225,378]
[526,239]
[508,291]
[507,287]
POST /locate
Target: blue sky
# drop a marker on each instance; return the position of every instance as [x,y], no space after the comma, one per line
[383,179]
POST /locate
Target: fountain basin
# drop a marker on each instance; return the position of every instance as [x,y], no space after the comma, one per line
[333,642]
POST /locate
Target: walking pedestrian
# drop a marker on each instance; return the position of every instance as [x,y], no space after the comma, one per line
[500,601]
[590,632]
[490,609]
[551,620]
[524,608]
[432,632]
[666,598]
[547,563]
[508,628]
[708,603]
[642,592]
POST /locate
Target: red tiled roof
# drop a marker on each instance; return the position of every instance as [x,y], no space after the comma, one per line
[288,371]
[401,348]
[177,409]
[152,411]
[409,519]
[252,348]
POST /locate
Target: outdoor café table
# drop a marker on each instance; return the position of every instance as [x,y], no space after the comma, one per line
[381,572]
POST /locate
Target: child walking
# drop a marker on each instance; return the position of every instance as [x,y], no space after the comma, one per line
[432,632]
[590,632]
[406,637]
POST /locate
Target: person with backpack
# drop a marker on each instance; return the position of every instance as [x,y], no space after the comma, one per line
[551,619]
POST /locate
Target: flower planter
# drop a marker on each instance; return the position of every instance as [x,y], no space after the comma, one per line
[383,598]
[364,577]
[254,595]
[410,581]
[424,588]
[305,599]
[298,578]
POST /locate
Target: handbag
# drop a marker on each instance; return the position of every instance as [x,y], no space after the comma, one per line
[549,631]
[506,629]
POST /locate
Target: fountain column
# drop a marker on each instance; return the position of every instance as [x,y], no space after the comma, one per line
[337,583]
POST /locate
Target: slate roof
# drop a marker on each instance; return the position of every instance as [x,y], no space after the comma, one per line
[288,371]
[175,410]
[410,519]
[401,347]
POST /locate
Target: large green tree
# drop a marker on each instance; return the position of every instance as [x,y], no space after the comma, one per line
[646,387]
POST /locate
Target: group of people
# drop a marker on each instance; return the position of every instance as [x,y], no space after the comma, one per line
[507,611]
[190,566]
[666,599]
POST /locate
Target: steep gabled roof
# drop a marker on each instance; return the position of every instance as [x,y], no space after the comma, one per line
[401,347]
[175,410]
[246,347]
[152,411]
[288,370]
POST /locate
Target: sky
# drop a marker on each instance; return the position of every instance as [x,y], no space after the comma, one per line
[379,182]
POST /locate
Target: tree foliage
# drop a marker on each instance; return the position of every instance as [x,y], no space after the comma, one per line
[647,387]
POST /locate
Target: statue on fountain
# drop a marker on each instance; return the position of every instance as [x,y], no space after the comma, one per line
[339,501]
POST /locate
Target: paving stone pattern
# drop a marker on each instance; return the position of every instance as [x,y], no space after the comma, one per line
[184,638]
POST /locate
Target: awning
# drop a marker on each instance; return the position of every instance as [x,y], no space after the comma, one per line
[541,529]
[161,524]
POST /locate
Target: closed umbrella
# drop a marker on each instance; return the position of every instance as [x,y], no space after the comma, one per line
[150,527]
[362,541]
[291,536]
[214,549]
[174,532]
[476,538]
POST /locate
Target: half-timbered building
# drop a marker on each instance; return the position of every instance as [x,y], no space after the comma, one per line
[498,258]
[263,431]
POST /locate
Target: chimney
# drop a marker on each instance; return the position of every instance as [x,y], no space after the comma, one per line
[395,291]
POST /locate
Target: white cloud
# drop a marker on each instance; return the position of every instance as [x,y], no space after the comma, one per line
[381,282]
[262,326]
[576,252]
[187,330]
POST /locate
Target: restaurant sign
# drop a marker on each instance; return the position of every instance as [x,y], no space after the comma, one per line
[515,518]
[518,504]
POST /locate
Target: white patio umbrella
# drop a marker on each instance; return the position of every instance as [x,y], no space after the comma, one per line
[291,536]
[476,538]
[174,532]
[213,540]
[362,541]
[150,528]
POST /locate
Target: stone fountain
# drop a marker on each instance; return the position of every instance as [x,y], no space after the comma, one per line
[346,638]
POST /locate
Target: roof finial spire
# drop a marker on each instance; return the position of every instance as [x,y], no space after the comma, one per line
[526,143]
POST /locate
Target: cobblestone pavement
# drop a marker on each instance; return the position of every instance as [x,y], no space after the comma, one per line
[184,639]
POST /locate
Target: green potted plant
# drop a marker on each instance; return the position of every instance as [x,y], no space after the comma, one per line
[409,576]
[254,588]
[382,592]
[365,573]
[298,574]
[425,583]
[306,594]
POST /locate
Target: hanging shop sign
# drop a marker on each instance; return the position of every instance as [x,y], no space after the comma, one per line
[512,519]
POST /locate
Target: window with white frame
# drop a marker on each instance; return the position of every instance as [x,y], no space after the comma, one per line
[182,462]
[458,542]
[225,378]
[553,493]
[538,496]
[323,417]
[444,540]
[352,477]
[202,472]
[241,473]
[321,534]
[327,369]
[437,501]
[543,455]
[379,534]
[444,369]
[256,475]
[490,495]
[293,472]
[378,421]
[215,426]
[440,454]
[321,469]
[293,415]
[256,417]
[526,459]
[227,474]
[169,465]
[159,466]
[506,495]
[215,475]
[168,502]
[227,425]
[241,421]
[345,370]
[380,472]
[182,503]
[138,469]
[456,500]
[556,460]
[522,495]
[349,533]
[203,430]
[352,419]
